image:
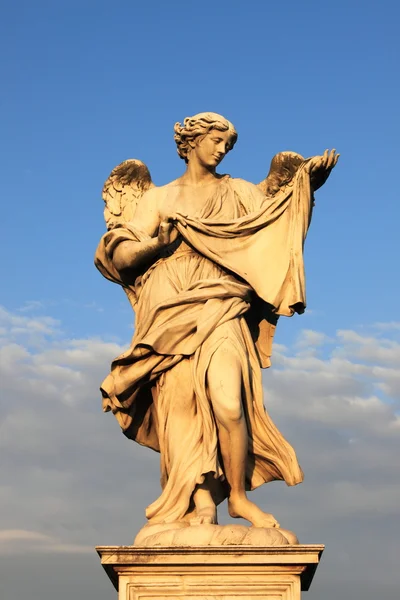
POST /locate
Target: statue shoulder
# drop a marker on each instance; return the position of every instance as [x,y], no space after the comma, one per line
[154,201]
[160,191]
[154,197]
[243,186]
[249,195]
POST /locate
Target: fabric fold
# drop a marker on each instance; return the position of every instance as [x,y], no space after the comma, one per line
[237,267]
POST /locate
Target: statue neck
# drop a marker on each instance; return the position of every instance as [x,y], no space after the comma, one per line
[198,174]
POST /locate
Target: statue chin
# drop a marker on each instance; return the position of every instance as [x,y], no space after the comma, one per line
[184,535]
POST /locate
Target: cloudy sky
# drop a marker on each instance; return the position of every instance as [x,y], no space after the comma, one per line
[88,83]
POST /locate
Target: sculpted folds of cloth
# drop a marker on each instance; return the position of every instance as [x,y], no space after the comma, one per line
[209,263]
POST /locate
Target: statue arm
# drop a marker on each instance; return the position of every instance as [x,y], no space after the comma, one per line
[129,254]
[133,254]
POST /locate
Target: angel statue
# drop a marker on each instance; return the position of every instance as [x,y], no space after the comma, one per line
[209,263]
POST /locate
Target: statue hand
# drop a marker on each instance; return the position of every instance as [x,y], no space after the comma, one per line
[320,167]
[167,233]
[178,218]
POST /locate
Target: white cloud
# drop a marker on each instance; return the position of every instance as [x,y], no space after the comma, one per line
[309,340]
[32,329]
[70,480]
[19,541]
[375,350]
[31,305]
[341,392]
[389,326]
[65,459]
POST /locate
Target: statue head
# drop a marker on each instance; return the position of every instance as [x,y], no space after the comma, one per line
[195,129]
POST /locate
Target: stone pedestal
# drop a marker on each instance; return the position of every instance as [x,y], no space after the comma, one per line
[210,573]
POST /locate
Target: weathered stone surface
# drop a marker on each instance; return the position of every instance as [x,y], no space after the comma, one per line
[220,573]
[209,263]
[183,534]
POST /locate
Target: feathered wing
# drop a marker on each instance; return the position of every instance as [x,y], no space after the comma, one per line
[283,168]
[122,191]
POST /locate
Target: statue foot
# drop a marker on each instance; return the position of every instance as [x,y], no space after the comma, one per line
[205,516]
[242,507]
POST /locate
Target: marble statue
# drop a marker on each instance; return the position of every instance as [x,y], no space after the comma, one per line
[209,262]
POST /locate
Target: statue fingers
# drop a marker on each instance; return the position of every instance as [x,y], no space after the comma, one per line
[331,159]
[165,229]
[178,218]
[325,159]
[165,225]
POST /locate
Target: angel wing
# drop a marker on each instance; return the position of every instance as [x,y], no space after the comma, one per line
[123,189]
[281,172]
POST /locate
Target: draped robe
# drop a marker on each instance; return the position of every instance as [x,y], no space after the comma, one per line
[236,267]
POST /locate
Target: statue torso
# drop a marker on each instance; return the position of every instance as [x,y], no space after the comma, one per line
[189,200]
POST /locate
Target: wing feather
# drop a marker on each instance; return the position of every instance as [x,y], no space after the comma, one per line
[282,170]
[123,189]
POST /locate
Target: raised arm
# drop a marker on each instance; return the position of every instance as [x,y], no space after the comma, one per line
[320,168]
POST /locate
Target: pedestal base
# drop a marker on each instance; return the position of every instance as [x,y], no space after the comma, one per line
[210,573]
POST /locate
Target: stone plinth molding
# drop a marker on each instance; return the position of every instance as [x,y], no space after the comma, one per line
[210,573]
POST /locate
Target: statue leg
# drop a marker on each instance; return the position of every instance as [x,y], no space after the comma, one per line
[176,408]
[182,445]
[225,389]
[206,511]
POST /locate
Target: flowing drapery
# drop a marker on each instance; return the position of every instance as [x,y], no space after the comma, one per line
[238,265]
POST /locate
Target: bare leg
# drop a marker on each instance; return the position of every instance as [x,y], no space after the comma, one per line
[225,388]
[206,511]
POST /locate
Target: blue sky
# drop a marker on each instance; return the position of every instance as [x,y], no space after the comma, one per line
[89,83]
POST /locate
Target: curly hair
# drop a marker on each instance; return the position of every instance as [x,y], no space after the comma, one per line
[200,125]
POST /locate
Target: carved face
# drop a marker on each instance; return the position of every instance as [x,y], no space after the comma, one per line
[211,149]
